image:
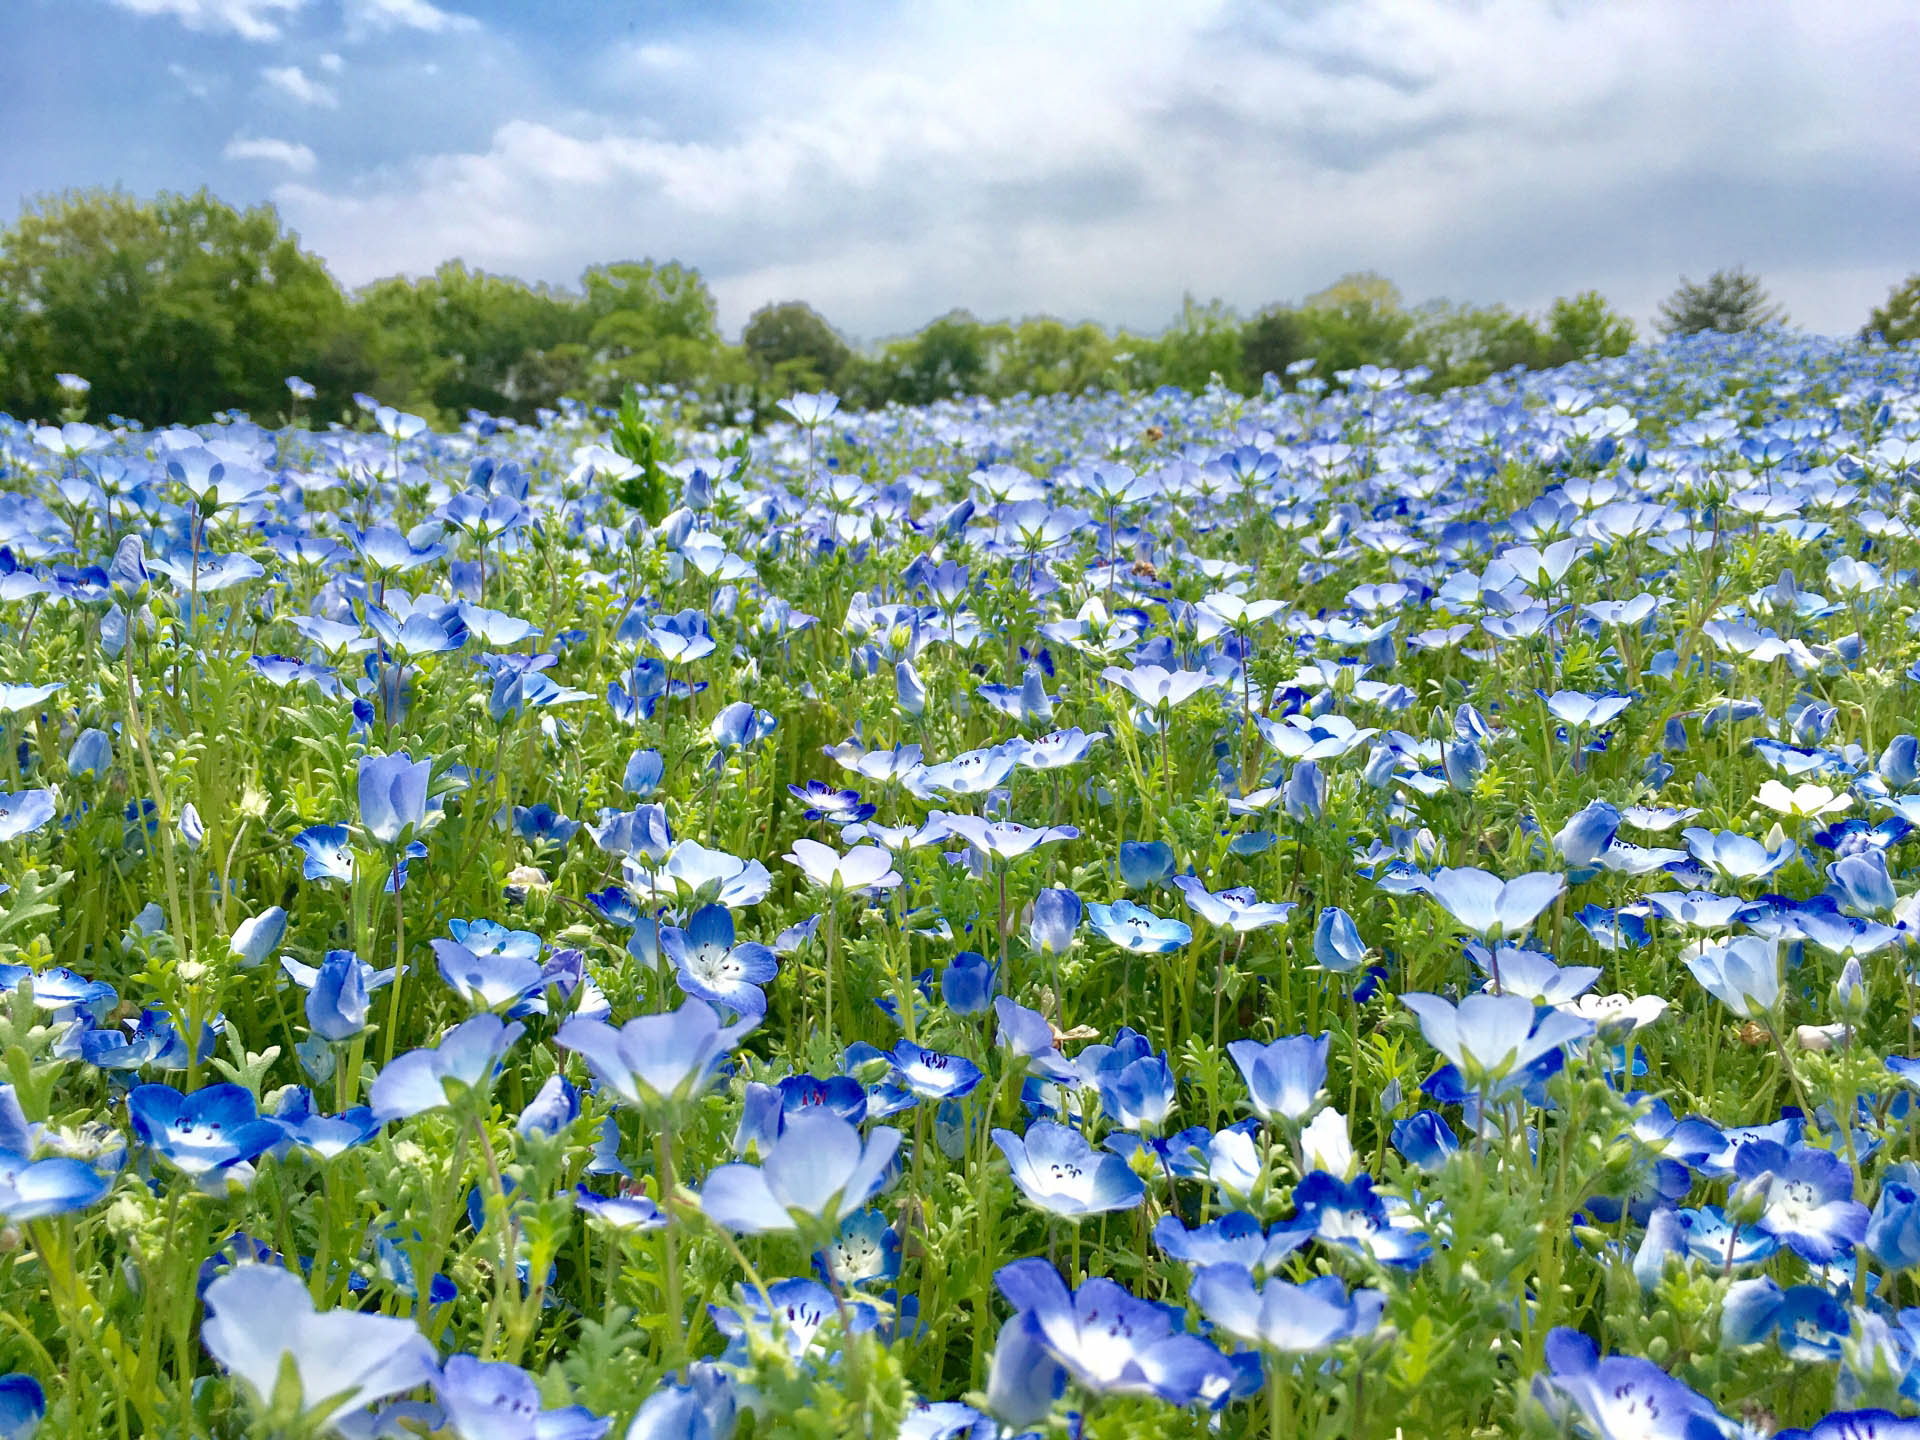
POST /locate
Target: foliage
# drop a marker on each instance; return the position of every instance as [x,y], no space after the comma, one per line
[1728,302]
[1899,318]
[183,306]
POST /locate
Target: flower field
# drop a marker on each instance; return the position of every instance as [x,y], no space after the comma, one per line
[1354,912]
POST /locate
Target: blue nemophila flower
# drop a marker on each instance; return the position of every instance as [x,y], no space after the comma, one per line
[1806,1195]
[466,1060]
[328,850]
[710,966]
[337,1000]
[1493,1039]
[323,1136]
[1286,1078]
[827,802]
[643,774]
[705,1408]
[1004,839]
[1893,1230]
[1108,1342]
[620,1212]
[1056,916]
[1154,686]
[865,867]
[642,833]
[1588,833]
[1028,1034]
[1808,1321]
[210,1135]
[1350,1213]
[1744,974]
[968,983]
[23,1405]
[865,1252]
[24,812]
[1483,904]
[257,937]
[90,754]
[1239,910]
[1622,1397]
[393,796]
[655,1060]
[1060,1173]
[261,1322]
[32,1189]
[1140,930]
[1424,1139]
[932,1075]
[801,1309]
[694,875]
[1737,857]
[553,1107]
[502,1402]
[1337,945]
[1234,1239]
[494,980]
[1282,1318]
[815,1174]
[1144,863]
[1857,1425]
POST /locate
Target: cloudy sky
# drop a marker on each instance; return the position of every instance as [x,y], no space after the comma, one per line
[890,161]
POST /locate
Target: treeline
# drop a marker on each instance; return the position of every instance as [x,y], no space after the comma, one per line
[181,307]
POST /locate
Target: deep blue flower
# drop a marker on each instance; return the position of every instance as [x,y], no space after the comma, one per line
[1809,1322]
[968,983]
[23,1405]
[210,1135]
[1807,1197]
[1145,863]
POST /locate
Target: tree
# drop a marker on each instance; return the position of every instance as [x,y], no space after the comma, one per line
[1586,325]
[1730,301]
[1044,356]
[1357,320]
[1203,341]
[652,324]
[1271,341]
[173,309]
[459,340]
[1899,318]
[792,347]
[951,356]
[1464,344]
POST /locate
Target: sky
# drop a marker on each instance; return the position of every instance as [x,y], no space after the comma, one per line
[889,162]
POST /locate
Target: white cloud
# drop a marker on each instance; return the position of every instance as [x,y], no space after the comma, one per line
[195,84]
[296,157]
[377,17]
[1101,162]
[294,83]
[332,63]
[249,19]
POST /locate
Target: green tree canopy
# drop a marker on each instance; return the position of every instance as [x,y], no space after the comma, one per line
[173,309]
[1899,318]
[1728,301]
[1585,325]
[792,347]
[463,339]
